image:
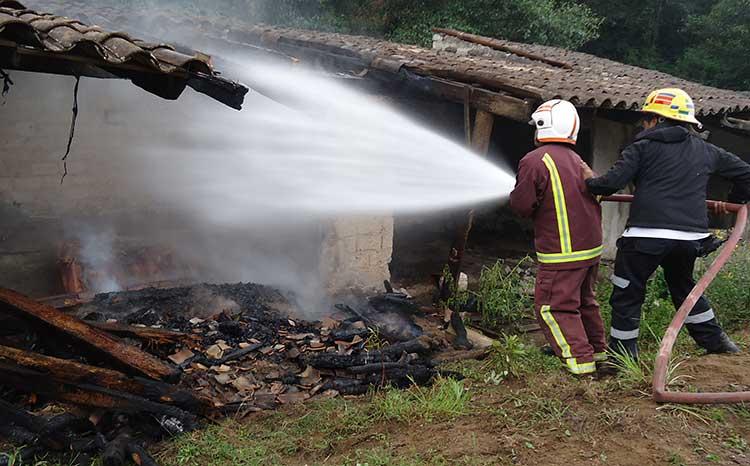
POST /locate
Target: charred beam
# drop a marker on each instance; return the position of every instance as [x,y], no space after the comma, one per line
[499,45]
[71,372]
[29,381]
[148,335]
[421,345]
[128,355]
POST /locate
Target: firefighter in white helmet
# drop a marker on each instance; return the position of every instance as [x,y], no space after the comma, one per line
[568,238]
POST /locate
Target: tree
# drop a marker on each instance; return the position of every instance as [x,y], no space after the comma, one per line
[553,22]
[719,41]
[648,33]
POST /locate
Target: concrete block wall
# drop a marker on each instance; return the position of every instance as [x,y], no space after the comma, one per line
[115,119]
[357,252]
[610,137]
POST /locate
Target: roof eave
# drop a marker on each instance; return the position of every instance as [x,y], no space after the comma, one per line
[165,85]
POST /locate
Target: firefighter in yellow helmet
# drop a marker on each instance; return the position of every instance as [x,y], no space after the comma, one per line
[670,166]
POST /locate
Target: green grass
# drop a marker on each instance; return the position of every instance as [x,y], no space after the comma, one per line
[318,429]
[314,431]
[729,293]
[446,399]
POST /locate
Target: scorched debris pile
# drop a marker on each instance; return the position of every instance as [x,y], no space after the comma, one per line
[127,369]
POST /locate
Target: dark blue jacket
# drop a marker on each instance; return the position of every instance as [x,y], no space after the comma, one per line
[670,168]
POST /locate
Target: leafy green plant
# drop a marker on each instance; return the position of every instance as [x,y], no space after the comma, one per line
[503,295]
[509,356]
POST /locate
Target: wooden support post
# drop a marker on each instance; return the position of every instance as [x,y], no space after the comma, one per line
[130,356]
[480,143]
[481,137]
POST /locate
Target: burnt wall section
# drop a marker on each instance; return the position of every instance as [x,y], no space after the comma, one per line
[122,195]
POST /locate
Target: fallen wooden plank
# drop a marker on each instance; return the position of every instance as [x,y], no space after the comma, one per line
[30,381]
[72,372]
[393,353]
[128,355]
[149,335]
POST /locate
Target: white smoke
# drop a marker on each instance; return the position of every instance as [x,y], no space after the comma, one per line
[242,196]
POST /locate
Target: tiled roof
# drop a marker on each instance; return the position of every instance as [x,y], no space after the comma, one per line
[42,41]
[583,79]
[587,80]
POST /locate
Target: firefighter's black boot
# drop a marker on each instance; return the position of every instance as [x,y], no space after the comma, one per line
[723,345]
[624,347]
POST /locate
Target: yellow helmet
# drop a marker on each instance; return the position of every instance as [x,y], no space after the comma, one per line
[672,103]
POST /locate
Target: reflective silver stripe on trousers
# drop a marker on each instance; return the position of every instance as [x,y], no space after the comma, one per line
[701,318]
[625,335]
[620,282]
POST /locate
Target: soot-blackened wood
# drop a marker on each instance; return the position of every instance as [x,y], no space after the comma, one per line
[376,367]
[421,345]
[128,355]
[60,433]
[233,356]
[71,372]
[402,377]
[12,414]
[148,335]
[30,381]
[124,449]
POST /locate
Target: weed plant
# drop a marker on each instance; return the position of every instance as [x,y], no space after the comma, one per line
[504,296]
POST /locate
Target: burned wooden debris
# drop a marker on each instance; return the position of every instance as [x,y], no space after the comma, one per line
[135,367]
[139,361]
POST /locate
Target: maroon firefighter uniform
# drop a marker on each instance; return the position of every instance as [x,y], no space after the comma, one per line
[568,236]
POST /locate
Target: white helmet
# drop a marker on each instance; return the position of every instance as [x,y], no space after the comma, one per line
[556,121]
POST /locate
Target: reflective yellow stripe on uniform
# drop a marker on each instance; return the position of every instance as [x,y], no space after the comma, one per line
[561,209]
[577,256]
[557,333]
[563,226]
[601,357]
[580,368]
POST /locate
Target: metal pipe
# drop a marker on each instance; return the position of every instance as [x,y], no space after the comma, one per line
[661,394]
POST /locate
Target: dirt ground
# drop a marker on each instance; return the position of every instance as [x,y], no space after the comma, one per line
[549,418]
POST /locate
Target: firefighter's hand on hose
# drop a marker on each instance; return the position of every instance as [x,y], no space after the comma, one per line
[586,171]
[719,208]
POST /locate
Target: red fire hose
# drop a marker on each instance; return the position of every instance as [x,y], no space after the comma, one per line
[661,395]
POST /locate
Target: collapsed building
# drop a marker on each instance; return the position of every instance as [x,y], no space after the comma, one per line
[106,376]
[151,361]
[473,89]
